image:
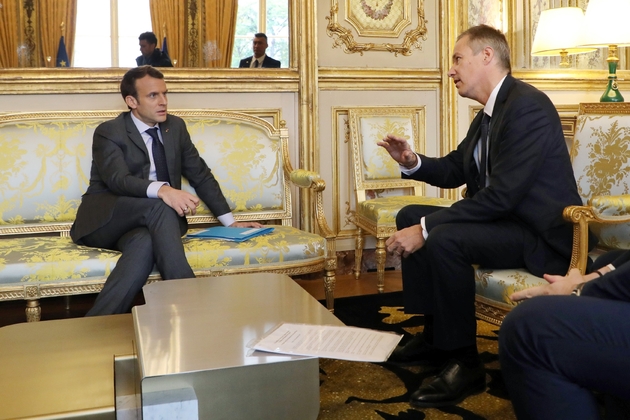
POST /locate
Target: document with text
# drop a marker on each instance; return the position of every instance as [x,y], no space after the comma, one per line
[333,342]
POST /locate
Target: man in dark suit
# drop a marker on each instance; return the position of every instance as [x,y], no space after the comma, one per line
[151,54]
[134,202]
[517,172]
[557,349]
[259,59]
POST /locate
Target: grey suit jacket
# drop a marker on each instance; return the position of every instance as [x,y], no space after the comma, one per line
[120,167]
[531,178]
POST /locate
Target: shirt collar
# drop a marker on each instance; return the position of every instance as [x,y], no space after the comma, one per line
[493,98]
[140,125]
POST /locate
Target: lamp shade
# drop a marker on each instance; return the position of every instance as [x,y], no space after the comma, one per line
[605,23]
[559,32]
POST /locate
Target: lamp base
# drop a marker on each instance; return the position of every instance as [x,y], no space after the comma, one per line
[612,94]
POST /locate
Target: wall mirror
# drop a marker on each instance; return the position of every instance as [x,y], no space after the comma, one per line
[99,34]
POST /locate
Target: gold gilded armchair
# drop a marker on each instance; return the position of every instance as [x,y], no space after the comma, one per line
[380,191]
[600,155]
[601,163]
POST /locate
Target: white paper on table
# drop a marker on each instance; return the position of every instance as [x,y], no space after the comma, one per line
[333,342]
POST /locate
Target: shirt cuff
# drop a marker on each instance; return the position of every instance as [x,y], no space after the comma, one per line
[425,233]
[152,189]
[409,171]
[226,219]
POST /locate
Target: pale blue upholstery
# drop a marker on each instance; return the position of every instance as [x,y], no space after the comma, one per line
[600,154]
[44,169]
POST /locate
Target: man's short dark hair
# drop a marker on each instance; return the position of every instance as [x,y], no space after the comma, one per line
[260,35]
[481,36]
[149,37]
[128,84]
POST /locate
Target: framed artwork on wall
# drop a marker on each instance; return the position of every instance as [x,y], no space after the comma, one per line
[377,18]
[380,18]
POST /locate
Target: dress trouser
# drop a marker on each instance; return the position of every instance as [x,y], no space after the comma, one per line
[438,279]
[148,233]
[555,349]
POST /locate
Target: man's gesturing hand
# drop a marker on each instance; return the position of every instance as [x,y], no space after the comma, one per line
[399,150]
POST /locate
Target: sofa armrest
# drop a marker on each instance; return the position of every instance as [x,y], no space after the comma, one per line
[604,210]
[312,181]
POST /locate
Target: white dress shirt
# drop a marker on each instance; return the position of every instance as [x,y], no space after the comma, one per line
[152,190]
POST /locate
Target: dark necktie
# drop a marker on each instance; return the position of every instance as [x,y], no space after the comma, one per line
[255,63]
[159,157]
[483,161]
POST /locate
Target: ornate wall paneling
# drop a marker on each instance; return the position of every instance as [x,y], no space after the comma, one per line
[379,19]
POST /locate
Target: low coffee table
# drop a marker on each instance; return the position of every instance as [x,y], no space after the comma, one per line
[192,334]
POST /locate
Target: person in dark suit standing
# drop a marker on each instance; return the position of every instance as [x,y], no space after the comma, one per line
[151,54]
[134,203]
[259,59]
[517,172]
[571,340]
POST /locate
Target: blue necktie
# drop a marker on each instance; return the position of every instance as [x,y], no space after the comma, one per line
[483,161]
[159,157]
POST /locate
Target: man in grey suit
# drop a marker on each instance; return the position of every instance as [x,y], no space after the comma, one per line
[517,172]
[134,202]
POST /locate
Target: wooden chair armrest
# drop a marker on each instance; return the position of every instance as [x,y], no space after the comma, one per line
[312,181]
[601,209]
[580,216]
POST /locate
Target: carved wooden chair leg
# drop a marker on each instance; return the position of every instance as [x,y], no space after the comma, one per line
[329,289]
[358,253]
[33,310]
[381,256]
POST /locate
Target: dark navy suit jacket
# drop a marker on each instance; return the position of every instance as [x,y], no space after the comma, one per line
[268,62]
[531,178]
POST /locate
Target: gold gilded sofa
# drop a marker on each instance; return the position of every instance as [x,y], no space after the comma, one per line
[600,154]
[44,169]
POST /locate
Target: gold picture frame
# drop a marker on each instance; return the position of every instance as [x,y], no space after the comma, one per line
[344,37]
[378,18]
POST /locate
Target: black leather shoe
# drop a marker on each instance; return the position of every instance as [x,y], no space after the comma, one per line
[453,385]
[416,352]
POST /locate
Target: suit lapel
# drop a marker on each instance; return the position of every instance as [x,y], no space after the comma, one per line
[470,158]
[134,134]
[497,117]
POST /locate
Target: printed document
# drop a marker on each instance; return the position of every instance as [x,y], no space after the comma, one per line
[333,342]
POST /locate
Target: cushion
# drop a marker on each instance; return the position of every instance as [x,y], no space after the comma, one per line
[498,285]
[49,259]
[384,210]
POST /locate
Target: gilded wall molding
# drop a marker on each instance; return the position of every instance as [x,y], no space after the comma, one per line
[338,78]
[343,36]
[107,80]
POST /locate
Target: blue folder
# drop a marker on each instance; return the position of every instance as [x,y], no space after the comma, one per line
[234,234]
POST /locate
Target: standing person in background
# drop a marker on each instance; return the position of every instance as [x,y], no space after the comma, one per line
[260,58]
